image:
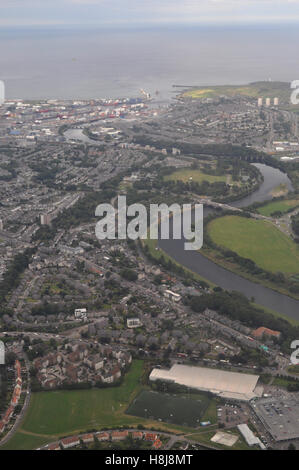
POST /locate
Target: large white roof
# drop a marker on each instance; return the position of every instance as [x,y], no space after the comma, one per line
[226,384]
[248,435]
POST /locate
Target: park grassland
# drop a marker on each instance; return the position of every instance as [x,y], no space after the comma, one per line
[278,206]
[213,92]
[56,414]
[251,90]
[205,436]
[179,408]
[197,176]
[62,413]
[257,240]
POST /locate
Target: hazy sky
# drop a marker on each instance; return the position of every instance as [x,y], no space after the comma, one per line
[134,12]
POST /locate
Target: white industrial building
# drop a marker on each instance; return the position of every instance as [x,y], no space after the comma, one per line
[230,385]
[172,295]
[80,313]
[249,437]
[133,323]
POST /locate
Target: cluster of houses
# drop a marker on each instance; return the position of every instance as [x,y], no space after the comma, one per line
[75,363]
[149,148]
[241,122]
[104,436]
[41,121]
[15,398]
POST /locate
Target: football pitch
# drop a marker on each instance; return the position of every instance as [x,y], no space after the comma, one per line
[258,240]
[174,409]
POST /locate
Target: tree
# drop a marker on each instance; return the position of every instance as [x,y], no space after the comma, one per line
[129,275]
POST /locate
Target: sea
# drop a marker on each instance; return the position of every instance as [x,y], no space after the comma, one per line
[84,63]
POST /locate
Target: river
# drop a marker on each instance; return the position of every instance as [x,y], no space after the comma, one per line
[201,265]
[227,280]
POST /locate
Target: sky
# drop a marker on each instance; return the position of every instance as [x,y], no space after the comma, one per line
[146,12]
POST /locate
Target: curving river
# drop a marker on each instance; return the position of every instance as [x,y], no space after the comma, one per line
[216,274]
[222,277]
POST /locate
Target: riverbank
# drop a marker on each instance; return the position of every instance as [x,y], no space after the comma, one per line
[233,241]
[157,253]
[217,258]
[207,271]
[197,262]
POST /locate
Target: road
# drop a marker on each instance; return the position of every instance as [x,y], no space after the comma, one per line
[173,438]
[20,417]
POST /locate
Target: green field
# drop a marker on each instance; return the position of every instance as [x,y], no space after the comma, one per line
[258,240]
[252,90]
[61,413]
[57,414]
[212,92]
[205,437]
[197,176]
[277,206]
[175,409]
[294,369]
[281,382]
[65,412]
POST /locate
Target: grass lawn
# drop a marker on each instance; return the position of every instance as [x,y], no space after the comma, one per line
[64,412]
[61,413]
[204,437]
[258,240]
[212,92]
[253,90]
[278,206]
[53,415]
[294,369]
[177,409]
[197,176]
[26,441]
[281,382]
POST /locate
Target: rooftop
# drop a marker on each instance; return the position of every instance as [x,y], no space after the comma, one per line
[227,384]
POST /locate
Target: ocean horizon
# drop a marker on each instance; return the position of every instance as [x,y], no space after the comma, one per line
[66,62]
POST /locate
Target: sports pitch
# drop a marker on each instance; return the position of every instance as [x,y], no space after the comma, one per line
[175,409]
[278,206]
[197,176]
[258,240]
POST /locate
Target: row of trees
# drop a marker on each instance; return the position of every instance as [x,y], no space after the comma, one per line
[247,264]
[12,276]
[173,267]
[295,224]
[237,307]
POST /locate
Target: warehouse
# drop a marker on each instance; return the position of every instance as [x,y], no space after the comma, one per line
[280,416]
[249,437]
[230,385]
